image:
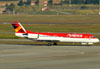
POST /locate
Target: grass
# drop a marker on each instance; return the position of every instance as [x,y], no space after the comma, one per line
[38,43]
[41,43]
[51,18]
[86,12]
[78,28]
[93,28]
[8,36]
[92,24]
[24,9]
[63,28]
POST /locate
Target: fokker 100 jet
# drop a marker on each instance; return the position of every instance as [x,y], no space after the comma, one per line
[53,38]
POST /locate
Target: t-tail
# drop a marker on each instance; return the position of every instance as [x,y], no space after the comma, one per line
[21,32]
[19,29]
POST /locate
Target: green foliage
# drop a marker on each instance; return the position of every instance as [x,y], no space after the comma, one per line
[61,2]
[65,1]
[37,2]
[24,9]
[6,5]
[59,27]
[10,8]
[20,3]
[12,5]
[92,1]
[50,2]
[80,1]
[8,0]
[28,2]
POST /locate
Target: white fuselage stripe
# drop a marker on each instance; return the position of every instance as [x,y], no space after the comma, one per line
[62,39]
[65,39]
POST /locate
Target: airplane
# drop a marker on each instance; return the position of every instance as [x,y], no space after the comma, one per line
[53,38]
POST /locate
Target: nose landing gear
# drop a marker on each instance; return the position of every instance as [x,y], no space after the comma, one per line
[55,43]
[50,44]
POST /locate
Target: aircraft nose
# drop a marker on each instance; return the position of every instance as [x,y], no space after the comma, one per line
[97,40]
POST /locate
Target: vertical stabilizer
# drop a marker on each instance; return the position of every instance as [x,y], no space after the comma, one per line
[18,27]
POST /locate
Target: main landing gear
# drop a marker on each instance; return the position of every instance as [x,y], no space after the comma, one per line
[89,44]
[50,44]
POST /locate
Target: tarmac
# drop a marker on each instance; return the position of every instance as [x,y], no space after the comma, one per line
[14,56]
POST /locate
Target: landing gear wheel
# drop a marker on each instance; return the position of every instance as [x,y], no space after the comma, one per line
[55,43]
[49,44]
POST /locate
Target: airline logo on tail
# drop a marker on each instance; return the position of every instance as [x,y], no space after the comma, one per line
[18,27]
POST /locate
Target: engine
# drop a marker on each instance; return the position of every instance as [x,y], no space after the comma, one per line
[31,36]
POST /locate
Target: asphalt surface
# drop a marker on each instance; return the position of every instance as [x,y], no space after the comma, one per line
[15,40]
[49,57]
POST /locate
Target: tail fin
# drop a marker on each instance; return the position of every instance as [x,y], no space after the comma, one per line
[18,27]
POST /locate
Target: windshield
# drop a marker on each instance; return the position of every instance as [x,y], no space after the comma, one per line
[92,37]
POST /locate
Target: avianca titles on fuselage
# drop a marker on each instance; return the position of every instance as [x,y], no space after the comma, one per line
[53,37]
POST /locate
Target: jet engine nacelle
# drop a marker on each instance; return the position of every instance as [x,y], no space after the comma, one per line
[33,36]
[25,35]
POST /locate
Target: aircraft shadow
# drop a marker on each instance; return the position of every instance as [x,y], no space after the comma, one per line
[48,45]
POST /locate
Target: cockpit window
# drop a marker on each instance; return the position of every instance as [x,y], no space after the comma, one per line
[92,37]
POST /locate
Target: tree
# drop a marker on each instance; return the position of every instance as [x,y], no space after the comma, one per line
[61,2]
[50,2]
[6,5]
[66,1]
[10,8]
[86,1]
[37,2]
[20,3]
[28,2]
[93,1]
[12,5]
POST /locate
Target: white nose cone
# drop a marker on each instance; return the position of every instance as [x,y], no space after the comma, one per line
[97,40]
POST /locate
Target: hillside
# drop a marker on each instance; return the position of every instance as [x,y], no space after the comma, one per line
[55,9]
